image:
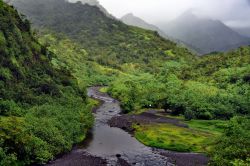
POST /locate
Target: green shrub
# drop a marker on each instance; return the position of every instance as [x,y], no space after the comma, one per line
[233,147]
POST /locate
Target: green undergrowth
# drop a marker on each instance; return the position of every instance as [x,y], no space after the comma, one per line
[170,137]
[68,54]
[43,111]
[212,126]
[198,137]
[104,89]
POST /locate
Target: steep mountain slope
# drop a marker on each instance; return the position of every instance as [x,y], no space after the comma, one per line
[150,72]
[42,110]
[93,3]
[107,41]
[130,19]
[242,31]
[203,34]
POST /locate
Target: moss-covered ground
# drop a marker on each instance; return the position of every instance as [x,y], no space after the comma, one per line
[197,137]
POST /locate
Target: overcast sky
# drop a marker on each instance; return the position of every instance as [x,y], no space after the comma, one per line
[231,12]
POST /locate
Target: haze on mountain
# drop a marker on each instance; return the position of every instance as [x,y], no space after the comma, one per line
[203,34]
[93,3]
[244,31]
[131,19]
[231,12]
[45,109]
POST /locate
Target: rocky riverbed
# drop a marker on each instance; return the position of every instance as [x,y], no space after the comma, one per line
[111,141]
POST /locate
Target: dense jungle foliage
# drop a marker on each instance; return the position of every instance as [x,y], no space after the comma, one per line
[108,42]
[179,83]
[151,70]
[233,146]
[141,69]
[200,91]
[42,110]
[212,87]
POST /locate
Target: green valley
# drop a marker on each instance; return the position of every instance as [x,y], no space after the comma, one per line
[45,72]
[43,112]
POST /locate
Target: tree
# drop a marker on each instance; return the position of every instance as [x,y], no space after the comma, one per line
[234,145]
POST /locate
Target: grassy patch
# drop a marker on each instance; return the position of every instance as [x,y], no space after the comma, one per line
[169,53]
[104,89]
[140,111]
[213,126]
[93,103]
[196,138]
[170,137]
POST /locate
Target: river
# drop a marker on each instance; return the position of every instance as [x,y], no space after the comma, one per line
[110,145]
[110,142]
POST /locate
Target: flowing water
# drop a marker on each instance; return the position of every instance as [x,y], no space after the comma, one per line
[114,147]
[109,143]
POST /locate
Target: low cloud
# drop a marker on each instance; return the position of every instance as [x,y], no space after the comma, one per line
[231,12]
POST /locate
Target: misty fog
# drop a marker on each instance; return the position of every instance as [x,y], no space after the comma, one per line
[234,13]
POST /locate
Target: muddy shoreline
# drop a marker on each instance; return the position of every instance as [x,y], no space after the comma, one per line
[125,122]
[78,158]
[112,120]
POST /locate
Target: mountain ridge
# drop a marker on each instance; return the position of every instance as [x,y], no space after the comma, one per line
[93,3]
[244,31]
[131,19]
[101,36]
[203,34]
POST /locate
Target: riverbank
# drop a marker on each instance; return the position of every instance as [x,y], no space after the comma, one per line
[78,158]
[112,141]
[156,128]
[135,125]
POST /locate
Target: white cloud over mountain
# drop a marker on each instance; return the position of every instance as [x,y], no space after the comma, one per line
[231,12]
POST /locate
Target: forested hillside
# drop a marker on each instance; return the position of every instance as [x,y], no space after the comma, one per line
[141,69]
[108,42]
[206,93]
[214,86]
[42,110]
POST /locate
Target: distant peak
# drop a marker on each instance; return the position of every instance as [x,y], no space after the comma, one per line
[188,14]
[90,2]
[195,14]
[129,15]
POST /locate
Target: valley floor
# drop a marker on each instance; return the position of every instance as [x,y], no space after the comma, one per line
[156,128]
[116,147]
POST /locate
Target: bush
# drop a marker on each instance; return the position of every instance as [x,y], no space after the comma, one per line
[234,145]
[189,114]
[9,107]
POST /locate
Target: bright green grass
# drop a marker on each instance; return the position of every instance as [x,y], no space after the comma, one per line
[93,103]
[140,111]
[169,53]
[213,126]
[103,89]
[196,138]
[170,137]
